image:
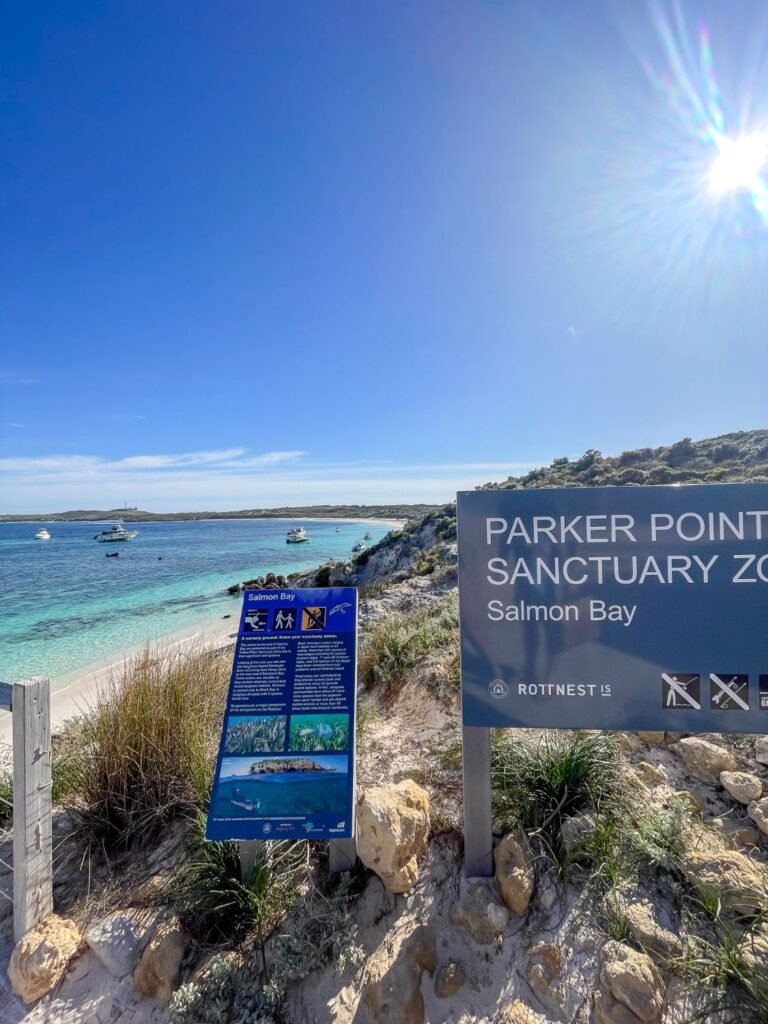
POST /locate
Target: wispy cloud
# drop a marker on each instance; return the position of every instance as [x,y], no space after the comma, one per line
[125,417]
[231,478]
[15,425]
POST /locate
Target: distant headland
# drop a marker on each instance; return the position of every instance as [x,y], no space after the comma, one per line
[136,515]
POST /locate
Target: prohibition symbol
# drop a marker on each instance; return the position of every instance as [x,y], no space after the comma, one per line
[313,618]
[728,692]
[680,690]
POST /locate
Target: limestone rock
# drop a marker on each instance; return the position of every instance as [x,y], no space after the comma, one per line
[738,831]
[754,950]
[761,750]
[544,972]
[739,882]
[628,742]
[742,786]
[392,832]
[694,798]
[515,876]
[481,915]
[632,979]
[653,739]
[392,990]
[158,973]
[647,932]
[705,760]
[576,829]
[39,960]
[650,774]
[609,1011]
[449,980]
[758,812]
[115,941]
[519,1013]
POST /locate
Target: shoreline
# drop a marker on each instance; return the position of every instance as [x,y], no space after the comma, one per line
[72,692]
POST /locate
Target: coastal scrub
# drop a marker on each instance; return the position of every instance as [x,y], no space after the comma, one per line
[148,745]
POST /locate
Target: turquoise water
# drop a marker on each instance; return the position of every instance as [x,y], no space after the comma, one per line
[64,605]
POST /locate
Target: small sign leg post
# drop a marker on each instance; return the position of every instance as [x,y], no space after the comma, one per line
[341,855]
[478,832]
[247,859]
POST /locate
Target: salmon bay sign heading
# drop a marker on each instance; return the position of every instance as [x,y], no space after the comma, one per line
[615,607]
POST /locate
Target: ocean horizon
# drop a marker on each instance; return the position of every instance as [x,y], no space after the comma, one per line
[65,606]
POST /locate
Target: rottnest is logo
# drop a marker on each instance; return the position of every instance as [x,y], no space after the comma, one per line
[498,689]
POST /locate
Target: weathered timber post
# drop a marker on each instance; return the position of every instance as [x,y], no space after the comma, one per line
[32,821]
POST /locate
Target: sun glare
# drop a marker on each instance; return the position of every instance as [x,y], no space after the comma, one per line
[738,165]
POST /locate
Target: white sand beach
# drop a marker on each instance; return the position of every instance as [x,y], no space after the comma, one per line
[71,694]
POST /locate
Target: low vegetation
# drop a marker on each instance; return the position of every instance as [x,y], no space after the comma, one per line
[397,643]
[145,753]
[538,784]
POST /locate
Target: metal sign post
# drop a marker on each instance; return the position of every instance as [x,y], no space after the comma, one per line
[639,608]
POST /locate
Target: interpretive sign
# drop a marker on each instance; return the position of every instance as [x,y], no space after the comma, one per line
[286,763]
[615,607]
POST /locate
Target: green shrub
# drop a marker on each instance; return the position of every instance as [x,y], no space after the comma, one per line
[397,643]
[211,897]
[537,784]
[146,749]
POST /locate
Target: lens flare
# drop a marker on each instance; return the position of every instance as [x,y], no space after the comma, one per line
[689,85]
[739,165]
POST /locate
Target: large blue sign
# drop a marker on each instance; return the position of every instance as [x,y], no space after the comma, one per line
[615,607]
[286,767]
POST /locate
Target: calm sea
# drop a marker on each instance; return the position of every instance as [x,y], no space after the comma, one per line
[65,605]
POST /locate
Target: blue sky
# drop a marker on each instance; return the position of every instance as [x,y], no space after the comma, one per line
[260,253]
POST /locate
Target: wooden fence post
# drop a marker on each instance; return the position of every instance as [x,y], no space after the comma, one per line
[32,822]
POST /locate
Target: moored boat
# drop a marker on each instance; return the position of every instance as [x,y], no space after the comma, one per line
[114,534]
[298,535]
[358,546]
[42,534]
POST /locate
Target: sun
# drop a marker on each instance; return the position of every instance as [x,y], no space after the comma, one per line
[739,164]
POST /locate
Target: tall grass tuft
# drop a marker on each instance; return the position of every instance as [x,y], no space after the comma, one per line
[210,894]
[537,784]
[148,744]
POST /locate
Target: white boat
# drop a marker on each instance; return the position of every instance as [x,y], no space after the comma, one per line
[368,535]
[358,546]
[114,534]
[298,535]
[338,529]
[42,534]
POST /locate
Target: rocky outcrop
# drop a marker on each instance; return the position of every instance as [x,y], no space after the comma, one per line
[159,970]
[392,992]
[737,881]
[742,786]
[647,932]
[761,750]
[544,972]
[518,1013]
[705,760]
[653,739]
[480,914]
[392,832]
[515,877]
[39,960]
[632,981]
[758,812]
[114,940]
